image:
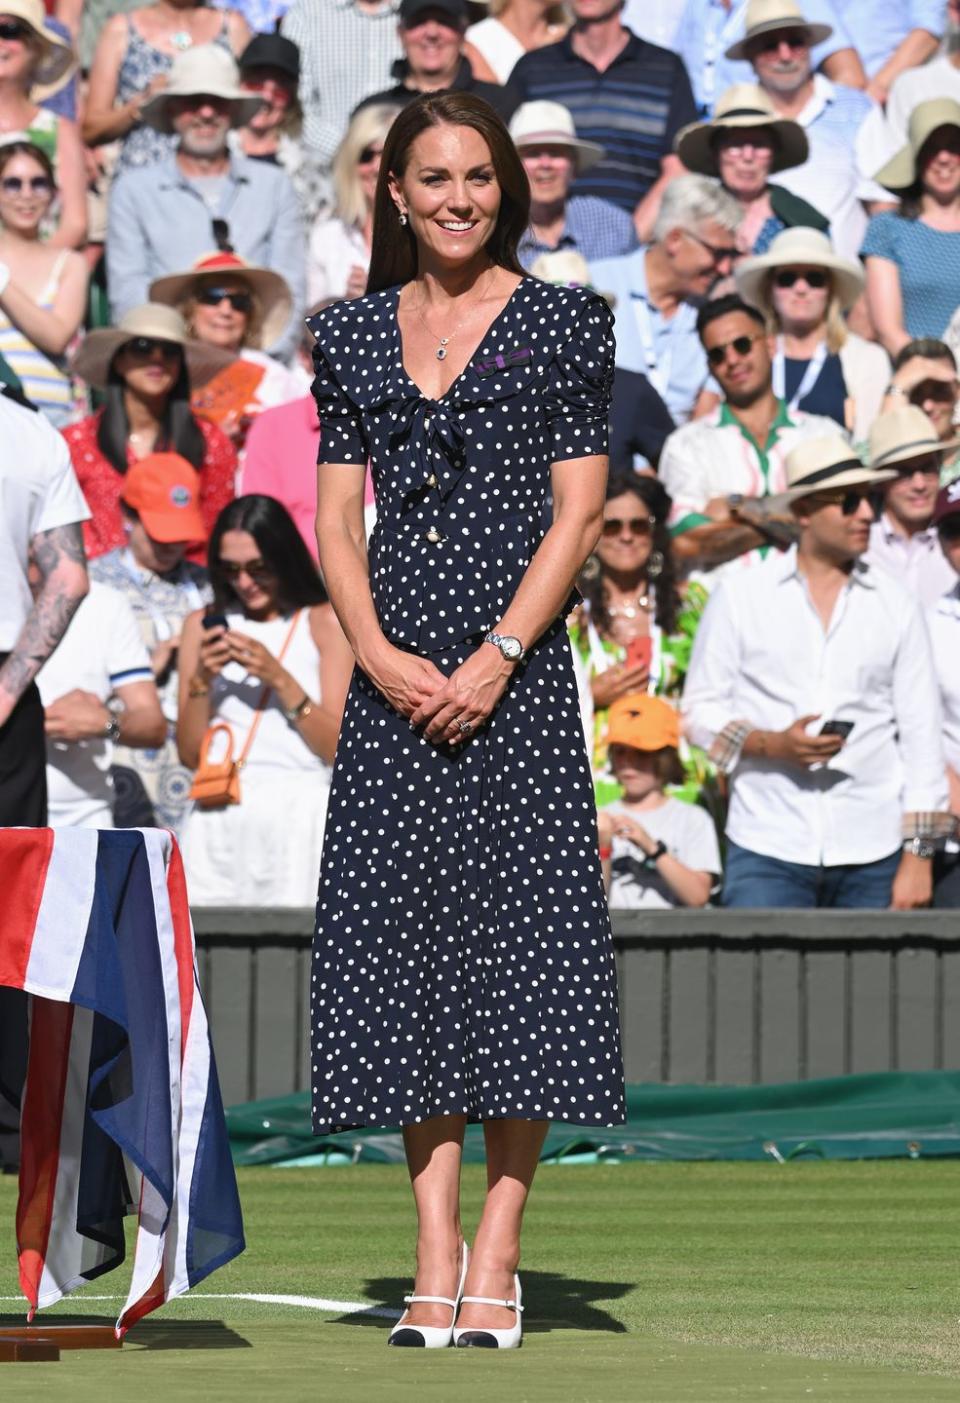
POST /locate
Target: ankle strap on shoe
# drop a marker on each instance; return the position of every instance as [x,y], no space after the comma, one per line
[436,1300]
[490,1301]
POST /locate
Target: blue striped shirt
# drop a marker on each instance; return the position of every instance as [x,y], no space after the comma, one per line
[633,109]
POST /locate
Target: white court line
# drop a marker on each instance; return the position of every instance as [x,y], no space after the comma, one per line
[305,1302]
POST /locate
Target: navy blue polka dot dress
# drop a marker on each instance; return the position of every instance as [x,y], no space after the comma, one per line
[463,962]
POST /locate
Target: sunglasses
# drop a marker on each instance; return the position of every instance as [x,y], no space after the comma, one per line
[256,569]
[147,345]
[949,529]
[13,29]
[213,296]
[927,466]
[37,184]
[815,278]
[848,499]
[717,252]
[368,154]
[716,355]
[636,525]
[793,38]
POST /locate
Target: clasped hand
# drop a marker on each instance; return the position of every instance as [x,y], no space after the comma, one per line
[419,690]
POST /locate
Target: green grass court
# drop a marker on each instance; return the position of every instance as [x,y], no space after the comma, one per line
[650,1283]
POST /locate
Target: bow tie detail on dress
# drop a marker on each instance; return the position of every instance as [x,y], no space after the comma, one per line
[502,361]
[432,444]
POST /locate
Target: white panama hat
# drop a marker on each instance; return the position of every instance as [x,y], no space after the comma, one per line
[205,69]
[544,123]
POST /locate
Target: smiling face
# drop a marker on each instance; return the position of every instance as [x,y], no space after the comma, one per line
[911,496]
[26,194]
[251,579]
[627,549]
[450,193]
[201,122]
[550,171]
[431,40]
[220,323]
[148,368]
[698,257]
[744,373]
[781,60]
[939,164]
[744,157]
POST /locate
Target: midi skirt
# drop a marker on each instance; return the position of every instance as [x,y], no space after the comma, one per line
[463,961]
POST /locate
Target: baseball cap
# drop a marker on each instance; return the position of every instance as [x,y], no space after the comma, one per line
[457,9]
[948,502]
[272,51]
[164,490]
[644,722]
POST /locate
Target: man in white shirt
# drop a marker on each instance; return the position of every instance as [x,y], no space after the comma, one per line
[904,541]
[715,465]
[812,684]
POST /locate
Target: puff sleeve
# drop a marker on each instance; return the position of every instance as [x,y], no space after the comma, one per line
[579,386]
[342,437]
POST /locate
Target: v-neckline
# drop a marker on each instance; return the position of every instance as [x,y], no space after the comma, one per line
[473,354]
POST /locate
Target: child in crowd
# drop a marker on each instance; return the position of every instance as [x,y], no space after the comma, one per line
[656,851]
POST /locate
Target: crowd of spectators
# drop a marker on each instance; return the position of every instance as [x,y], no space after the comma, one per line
[767,192]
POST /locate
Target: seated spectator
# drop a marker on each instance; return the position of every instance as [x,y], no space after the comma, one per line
[238,308]
[938,78]
[777,43]
[656,851]
[925,374]
[44,299]
[904,542]
[509,31]
[943,621]
[36,60]
[718,468]
[891,39]
[552,155]
[744,144]
[626,95]
[159,504]
[132,62]
[275,673]
[339,256]
[634,629]
[803,289]
[913,255]
[97,690]
[658,289]
[270,70]
[708,30]
[163,217]
[812,682]
[145,367]
[431,36]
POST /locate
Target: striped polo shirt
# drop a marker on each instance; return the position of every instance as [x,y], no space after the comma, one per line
[633,109]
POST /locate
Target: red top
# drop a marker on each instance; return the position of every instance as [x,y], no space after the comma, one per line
[101,483]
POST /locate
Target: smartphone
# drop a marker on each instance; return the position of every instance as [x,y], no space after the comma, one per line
[836,728]
[215,621]
[640,652]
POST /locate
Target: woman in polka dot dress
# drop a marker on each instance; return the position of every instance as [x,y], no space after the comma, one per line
[463,966]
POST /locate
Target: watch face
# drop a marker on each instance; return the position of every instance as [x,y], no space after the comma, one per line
[511,647]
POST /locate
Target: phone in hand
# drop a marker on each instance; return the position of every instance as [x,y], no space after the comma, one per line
[640,652]
[837,728]
[215,621]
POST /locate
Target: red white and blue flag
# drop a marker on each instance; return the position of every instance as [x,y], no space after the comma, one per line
[121,1110]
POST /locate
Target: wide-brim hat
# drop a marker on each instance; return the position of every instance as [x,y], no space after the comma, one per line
[903,434]
[271,290]
[799,246]
[208,70]
[765,16]
[566,267]
[900,172]
[643,722]
[820,465]
[57,62]
[545,123]
[93,360]
[743,105]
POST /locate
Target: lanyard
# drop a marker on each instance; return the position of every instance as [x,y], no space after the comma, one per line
[658,367]
[715,38]
[810,376]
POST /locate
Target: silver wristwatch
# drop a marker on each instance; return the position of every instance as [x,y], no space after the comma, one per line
[921,847]
[511,648]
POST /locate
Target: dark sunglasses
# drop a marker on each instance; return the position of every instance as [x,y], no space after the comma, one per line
[927,466]
[815,278]
[256,569]
[795,38]
[636,525]
[147,345]
[848,499]
[368,154]
[37,184]
[716,355]
[213,296]
[13,29]
[949,528]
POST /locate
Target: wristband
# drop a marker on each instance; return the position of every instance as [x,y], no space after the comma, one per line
[605,854]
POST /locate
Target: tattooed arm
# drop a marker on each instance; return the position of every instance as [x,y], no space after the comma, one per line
[59,557]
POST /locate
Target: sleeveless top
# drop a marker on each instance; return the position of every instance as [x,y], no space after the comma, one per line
[45,379]
[142,62]
[234,694]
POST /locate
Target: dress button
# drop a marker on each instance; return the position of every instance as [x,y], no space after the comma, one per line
[434,535]
[432,480]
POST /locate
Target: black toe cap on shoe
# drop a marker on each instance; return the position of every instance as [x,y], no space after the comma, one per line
[477,1339]
[408,1339]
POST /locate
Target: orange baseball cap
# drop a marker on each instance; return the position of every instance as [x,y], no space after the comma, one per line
[644,722]
[164,490]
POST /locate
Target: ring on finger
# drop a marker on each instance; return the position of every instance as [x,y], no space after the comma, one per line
[464,727]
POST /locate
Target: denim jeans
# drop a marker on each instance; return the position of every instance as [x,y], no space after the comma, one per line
[751,879]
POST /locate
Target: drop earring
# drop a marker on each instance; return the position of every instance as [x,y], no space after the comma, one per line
[655,564]
[403,220]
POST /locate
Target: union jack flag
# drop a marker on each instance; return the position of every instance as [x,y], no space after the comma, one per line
[121,1110]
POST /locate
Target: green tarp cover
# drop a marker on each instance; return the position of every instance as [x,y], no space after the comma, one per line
[876,1116]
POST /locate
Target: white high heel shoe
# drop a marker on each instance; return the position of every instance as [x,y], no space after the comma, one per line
[430,1336]
[470,1337]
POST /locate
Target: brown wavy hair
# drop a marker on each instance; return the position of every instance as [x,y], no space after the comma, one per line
[656,499]
[393,258]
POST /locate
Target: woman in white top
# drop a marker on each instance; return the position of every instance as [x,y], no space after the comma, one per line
[273,657]
[43,290]
[512,29]
[339,255]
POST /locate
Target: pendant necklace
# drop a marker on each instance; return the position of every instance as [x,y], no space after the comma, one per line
[630,611]
[441,351]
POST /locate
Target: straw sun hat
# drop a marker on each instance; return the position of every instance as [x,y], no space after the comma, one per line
[820,465]
[743,105]
[550,124]
[767,16]
[93,359]
[270,289]
[901,172]
[57,61]
[804,248]
[902,435]
[204,69]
